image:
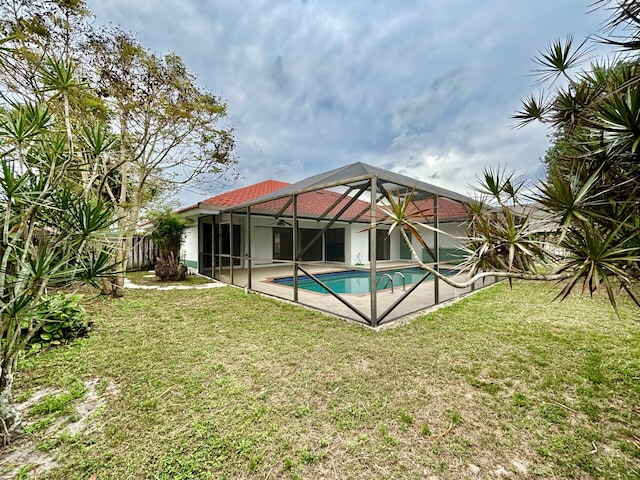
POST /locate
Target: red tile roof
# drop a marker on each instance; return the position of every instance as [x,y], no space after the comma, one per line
[421,210]
[314,204]
[245,194]
[447,209]
[239,195]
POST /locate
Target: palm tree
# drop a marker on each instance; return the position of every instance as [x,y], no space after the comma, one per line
[504,239]
[590,194]
[167,235]
[52,233]
[593,179]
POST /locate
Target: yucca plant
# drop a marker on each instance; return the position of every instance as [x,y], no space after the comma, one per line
[503,240]
[593,179]
[54,231]
[167,234]
[510,237]
[598,256]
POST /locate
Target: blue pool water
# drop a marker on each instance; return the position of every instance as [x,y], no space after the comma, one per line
[355,281]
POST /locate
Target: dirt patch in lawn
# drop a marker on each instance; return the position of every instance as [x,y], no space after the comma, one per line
[28,456]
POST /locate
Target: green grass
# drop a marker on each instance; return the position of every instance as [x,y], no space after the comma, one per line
[219,384]
[58,404]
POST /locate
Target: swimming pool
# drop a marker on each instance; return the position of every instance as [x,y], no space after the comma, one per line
[356,281]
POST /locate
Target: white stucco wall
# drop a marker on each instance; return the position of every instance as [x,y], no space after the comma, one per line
[261,240]
[454,229]
[189,248]
[395,240]
[356,240]
[358,245]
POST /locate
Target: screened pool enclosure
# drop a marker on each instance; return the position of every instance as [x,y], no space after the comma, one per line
[324,242]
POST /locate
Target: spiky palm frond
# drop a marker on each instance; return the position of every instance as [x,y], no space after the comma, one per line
[618,118]
[596,255]
[571,103]
[532,109]
[504,234]
[498,186]
[570,199]
[558,57]
[625,16]
[507,241]
[24,122]
[397,213]
[97,139]
[403,213]
[59,76]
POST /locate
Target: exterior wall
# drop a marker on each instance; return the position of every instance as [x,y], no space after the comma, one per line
[261,240]
[189,249]
[455,229]
[356,241]
[358,245]
[449,244]
[395,241]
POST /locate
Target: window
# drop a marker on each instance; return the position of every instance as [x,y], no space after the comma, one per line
[331,244]
[315,251]
[282,243]
[334,245]
[383,245]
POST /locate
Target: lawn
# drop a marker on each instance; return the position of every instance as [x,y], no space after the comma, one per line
[219,384]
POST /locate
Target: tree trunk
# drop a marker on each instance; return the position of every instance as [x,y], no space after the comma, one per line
[122,249]
[129,216]
[122,252]
[114,286]
[9,414]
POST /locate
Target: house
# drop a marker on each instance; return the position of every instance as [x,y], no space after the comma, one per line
[239,236]
[346,242]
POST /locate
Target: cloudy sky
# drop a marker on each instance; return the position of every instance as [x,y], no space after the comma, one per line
[424,88]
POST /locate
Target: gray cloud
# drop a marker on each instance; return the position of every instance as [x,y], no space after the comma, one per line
[423,88]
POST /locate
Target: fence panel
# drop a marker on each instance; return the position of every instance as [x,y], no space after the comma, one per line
[142,255]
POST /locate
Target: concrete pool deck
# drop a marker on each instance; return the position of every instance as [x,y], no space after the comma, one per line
[421,299]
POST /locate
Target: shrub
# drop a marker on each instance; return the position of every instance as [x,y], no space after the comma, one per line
[167,234]
[65,320]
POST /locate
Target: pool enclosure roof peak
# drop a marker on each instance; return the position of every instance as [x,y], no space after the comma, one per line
[358,174]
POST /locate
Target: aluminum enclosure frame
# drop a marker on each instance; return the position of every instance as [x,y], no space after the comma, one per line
[356,180]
